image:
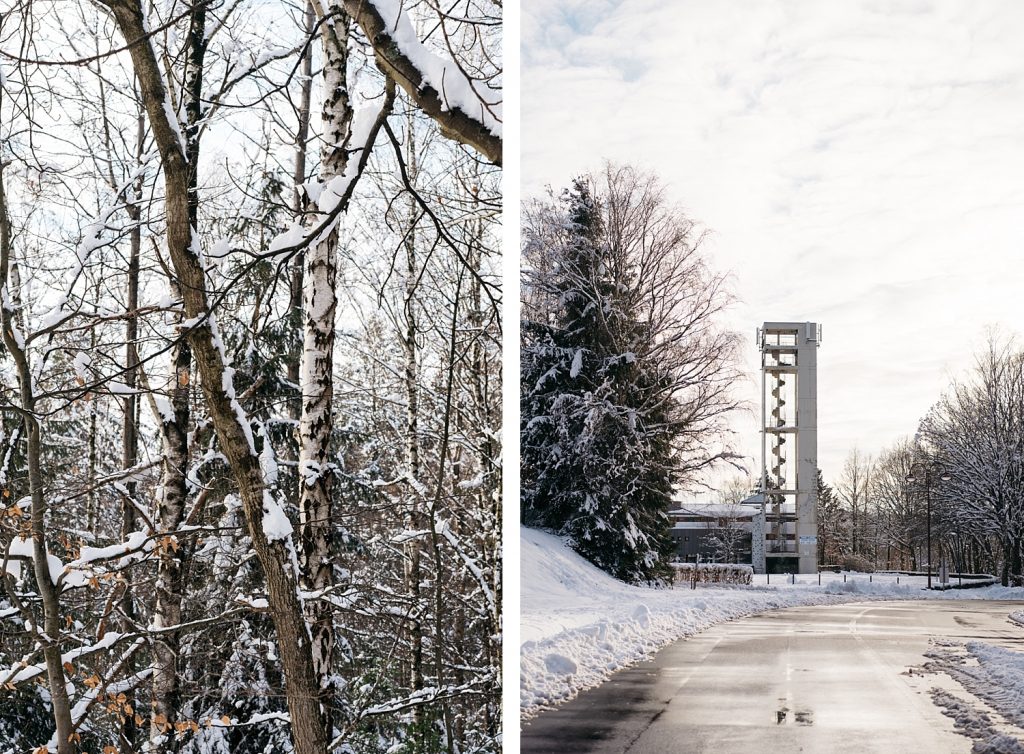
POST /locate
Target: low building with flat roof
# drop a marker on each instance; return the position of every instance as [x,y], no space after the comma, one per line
[716,533]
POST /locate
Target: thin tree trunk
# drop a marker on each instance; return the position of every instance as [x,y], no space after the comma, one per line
[129,432]
[439,577]
[170,585]
[298,207]
[487,499]
[92,501]
[414,515]
[48,594]
[174,423]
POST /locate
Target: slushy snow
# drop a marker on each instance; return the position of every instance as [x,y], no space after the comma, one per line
[993,674]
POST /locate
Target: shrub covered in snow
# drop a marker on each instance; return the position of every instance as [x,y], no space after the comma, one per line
[713,573]
[857,563]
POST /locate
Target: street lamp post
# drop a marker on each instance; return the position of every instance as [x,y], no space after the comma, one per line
[928,507]
[933,466]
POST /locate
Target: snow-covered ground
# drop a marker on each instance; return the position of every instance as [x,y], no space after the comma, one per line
[992,674]
[885,579]
[579,625]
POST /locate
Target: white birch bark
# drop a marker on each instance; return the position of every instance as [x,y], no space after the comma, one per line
[316,377]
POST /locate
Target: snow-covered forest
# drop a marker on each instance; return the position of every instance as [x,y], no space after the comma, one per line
[250,429]
[965,464]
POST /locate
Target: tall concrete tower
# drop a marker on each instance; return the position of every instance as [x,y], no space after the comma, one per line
[789,444]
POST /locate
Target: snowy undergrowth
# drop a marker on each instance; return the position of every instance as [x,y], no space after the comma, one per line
[579,625]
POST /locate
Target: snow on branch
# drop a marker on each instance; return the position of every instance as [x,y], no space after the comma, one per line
[422,696]
[78,572]
[21,548]
[332,197]
[446,531]
[455,88]
[92,239]
[21,672]
[465,110]
[92,693]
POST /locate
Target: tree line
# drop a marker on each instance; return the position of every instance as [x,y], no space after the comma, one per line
[965,463]
[250,393]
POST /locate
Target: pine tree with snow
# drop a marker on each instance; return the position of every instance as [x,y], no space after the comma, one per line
[607,424]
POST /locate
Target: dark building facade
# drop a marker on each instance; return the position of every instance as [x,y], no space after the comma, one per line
[713,533]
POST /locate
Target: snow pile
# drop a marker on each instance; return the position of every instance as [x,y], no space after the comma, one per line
[991,673]
[971,722]
[862,587]
[997,743]
[579,625]
[976,724]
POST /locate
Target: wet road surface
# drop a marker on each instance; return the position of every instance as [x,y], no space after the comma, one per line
[831,678]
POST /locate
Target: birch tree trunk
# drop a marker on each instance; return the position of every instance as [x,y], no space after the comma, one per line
[316,420]
[308,728]
[170,586]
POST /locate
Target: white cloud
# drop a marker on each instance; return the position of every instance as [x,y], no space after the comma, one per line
[859,163]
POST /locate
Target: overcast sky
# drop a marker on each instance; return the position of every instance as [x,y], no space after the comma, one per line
[860,164]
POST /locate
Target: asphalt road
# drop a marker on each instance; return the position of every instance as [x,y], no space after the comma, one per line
[828,678]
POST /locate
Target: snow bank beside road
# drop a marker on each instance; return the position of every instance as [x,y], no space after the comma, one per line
[579,625]
[991,673]
[863,588]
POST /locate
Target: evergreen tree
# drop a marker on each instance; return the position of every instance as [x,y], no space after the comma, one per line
[602,413]
[832,524]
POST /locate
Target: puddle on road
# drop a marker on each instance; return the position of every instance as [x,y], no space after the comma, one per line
[800,717]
